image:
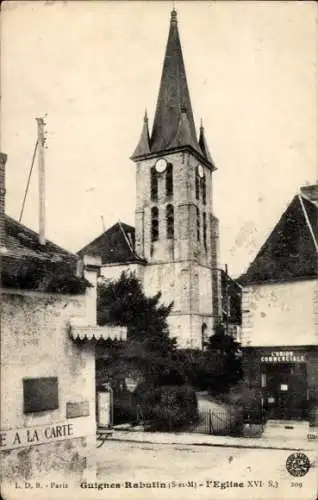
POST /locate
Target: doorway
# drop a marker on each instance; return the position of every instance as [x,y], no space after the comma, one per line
[284,391]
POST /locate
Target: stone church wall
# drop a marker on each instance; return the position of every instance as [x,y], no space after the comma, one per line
[189,287]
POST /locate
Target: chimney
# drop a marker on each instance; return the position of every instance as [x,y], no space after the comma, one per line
[41,142]
[3,159]
[310,192]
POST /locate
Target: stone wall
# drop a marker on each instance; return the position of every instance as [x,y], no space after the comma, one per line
[60,462]
[280,314]
[36,343]
[188,286]
[114,271]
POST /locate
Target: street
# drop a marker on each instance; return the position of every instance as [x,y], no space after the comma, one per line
[156,470]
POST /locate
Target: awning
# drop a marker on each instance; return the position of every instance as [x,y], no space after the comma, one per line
[93,332]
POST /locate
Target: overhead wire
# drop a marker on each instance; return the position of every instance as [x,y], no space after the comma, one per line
[28,181]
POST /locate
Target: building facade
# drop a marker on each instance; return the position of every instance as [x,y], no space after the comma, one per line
[48,334]
[280,315]
[174,245]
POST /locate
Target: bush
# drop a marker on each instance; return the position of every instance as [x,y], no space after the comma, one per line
[202,370]
[250,401]
[168,408]
[124,408]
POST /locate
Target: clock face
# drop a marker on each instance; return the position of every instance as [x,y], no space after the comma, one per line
[201,171]
[161,165]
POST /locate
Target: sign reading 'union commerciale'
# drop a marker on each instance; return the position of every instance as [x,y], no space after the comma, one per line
[283,357]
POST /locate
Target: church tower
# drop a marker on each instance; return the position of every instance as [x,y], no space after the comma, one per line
[175,229]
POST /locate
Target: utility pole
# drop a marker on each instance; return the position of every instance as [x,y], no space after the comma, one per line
[41,173]
[227,308]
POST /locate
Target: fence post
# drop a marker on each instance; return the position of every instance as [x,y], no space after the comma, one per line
[210,423]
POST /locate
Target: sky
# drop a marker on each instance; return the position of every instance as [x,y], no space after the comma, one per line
[93,68]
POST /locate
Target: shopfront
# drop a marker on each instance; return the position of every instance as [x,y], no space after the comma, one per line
[284,386]
[283,381]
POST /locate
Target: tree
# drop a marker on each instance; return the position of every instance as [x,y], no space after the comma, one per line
[148,348]
[229,354]
[123,302]
[146,357]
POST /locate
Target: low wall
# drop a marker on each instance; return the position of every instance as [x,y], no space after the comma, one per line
[60,462]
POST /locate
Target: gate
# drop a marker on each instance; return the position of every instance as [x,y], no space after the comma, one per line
[217,422]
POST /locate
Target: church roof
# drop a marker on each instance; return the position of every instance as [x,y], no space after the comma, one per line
[116,245]
[204,145]
[143,147]
[291,250]
[173,126]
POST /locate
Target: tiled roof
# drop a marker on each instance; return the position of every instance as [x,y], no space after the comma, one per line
[291,250]
[26,264]
[116,245]
[22,241]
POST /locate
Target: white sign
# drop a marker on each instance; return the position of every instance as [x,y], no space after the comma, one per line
[104,408]
[131,383]
[283,357]
[31,436]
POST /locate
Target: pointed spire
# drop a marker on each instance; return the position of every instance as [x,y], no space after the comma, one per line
[183,135]
[143,144]
[173,97]
[173,18]
[204,145]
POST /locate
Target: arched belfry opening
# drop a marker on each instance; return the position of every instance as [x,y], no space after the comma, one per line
[204,335]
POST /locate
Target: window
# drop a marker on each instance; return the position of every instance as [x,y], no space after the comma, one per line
[169,180]
[197,184]
[198,223]
[40,394]
[263,380]
[204,231]
[153,184]
[204,337]
[170,221]
[154,224]
[203,190]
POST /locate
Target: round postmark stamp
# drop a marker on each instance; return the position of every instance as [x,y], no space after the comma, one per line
[297,464]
